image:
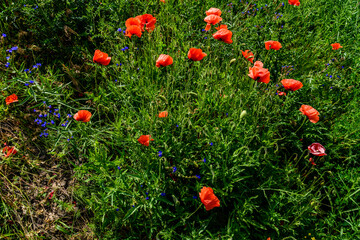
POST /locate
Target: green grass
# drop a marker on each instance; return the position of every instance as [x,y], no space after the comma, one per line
[254,141]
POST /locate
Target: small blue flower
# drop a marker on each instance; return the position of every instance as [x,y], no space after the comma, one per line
[163,194]
[174,169]
[14,48]
[205,37]
[195,197]
[31,81]
[3,35]
[177,125]
[35,66]
[7,64]
[26,84]
[119,167]
[204,160]
[40,115]
[38,64]
[115,80]
[52,122]
[330,76]
[198,176]
[8,57]
[211,144]
[117,209]
[133,205]
[68,140]
[160,153]
[123,31]
[342,66]
[146,193]
[203,30]
[147,198]
[119,30]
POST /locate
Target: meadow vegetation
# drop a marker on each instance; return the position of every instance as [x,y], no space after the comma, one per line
[245,139]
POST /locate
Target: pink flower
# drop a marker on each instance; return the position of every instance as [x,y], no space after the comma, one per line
[317,149]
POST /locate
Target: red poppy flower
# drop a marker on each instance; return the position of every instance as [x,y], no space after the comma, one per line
[259,73]
[163,114]
[317,149]
[162,1]
[213,11]
[294,2]
[133,30]
[248,55]
[136,21]
[196,54]
[223,35]
[291,84]
[311,160]
[281,93]
[145,140]
[258,64]
[164,60]
[208,198]
[336,46]
[8,151]
[310,112]
[82,116]
[10,99]
[222,26]
[211,19]
[101,57]
[272,45]
[148,20]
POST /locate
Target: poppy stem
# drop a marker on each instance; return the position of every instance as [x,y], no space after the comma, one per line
[300,125]
[194,212]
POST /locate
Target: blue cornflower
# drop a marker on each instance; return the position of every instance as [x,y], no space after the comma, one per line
[195,197]
[338,76]
[211,144]
[119,167]
[177,125]
[119,30]
[342,66]
[133,205]
[35,66]
[163,194]
[3,35]
[68,140]
[283,4]
[198,176]
[7,64]
[31,81]
[203,30]
[327,74]
[124,31]
[40,115]
[147,198]
[146,193]
[160,153]
[204,160]
[174,169]
[265,5]
[141,185]
[331,87]
[36,7]
[52,122]
[333,60]
[117,209]
[26,84]
[38,64]
[34,110]
[69,115]
[205,37]
[8,57]
[330,76]
[14,48]
[282,26]
[115,80]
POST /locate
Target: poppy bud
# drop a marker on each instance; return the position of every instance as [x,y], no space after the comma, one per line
[243,114]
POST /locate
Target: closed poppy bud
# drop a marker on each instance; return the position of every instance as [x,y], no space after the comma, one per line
[213,11]
[82,116]
[311,160]
[223,35]
[211,19]
[145,140]
[242,114]
[310,112]
[163,114]
[196,54]
[336,46]
[248,55]
[294,2]
[208,198]
[10,99]
[101,57]
[164,60]
[272,45]
[291,84]
[317,149]
[8,151]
